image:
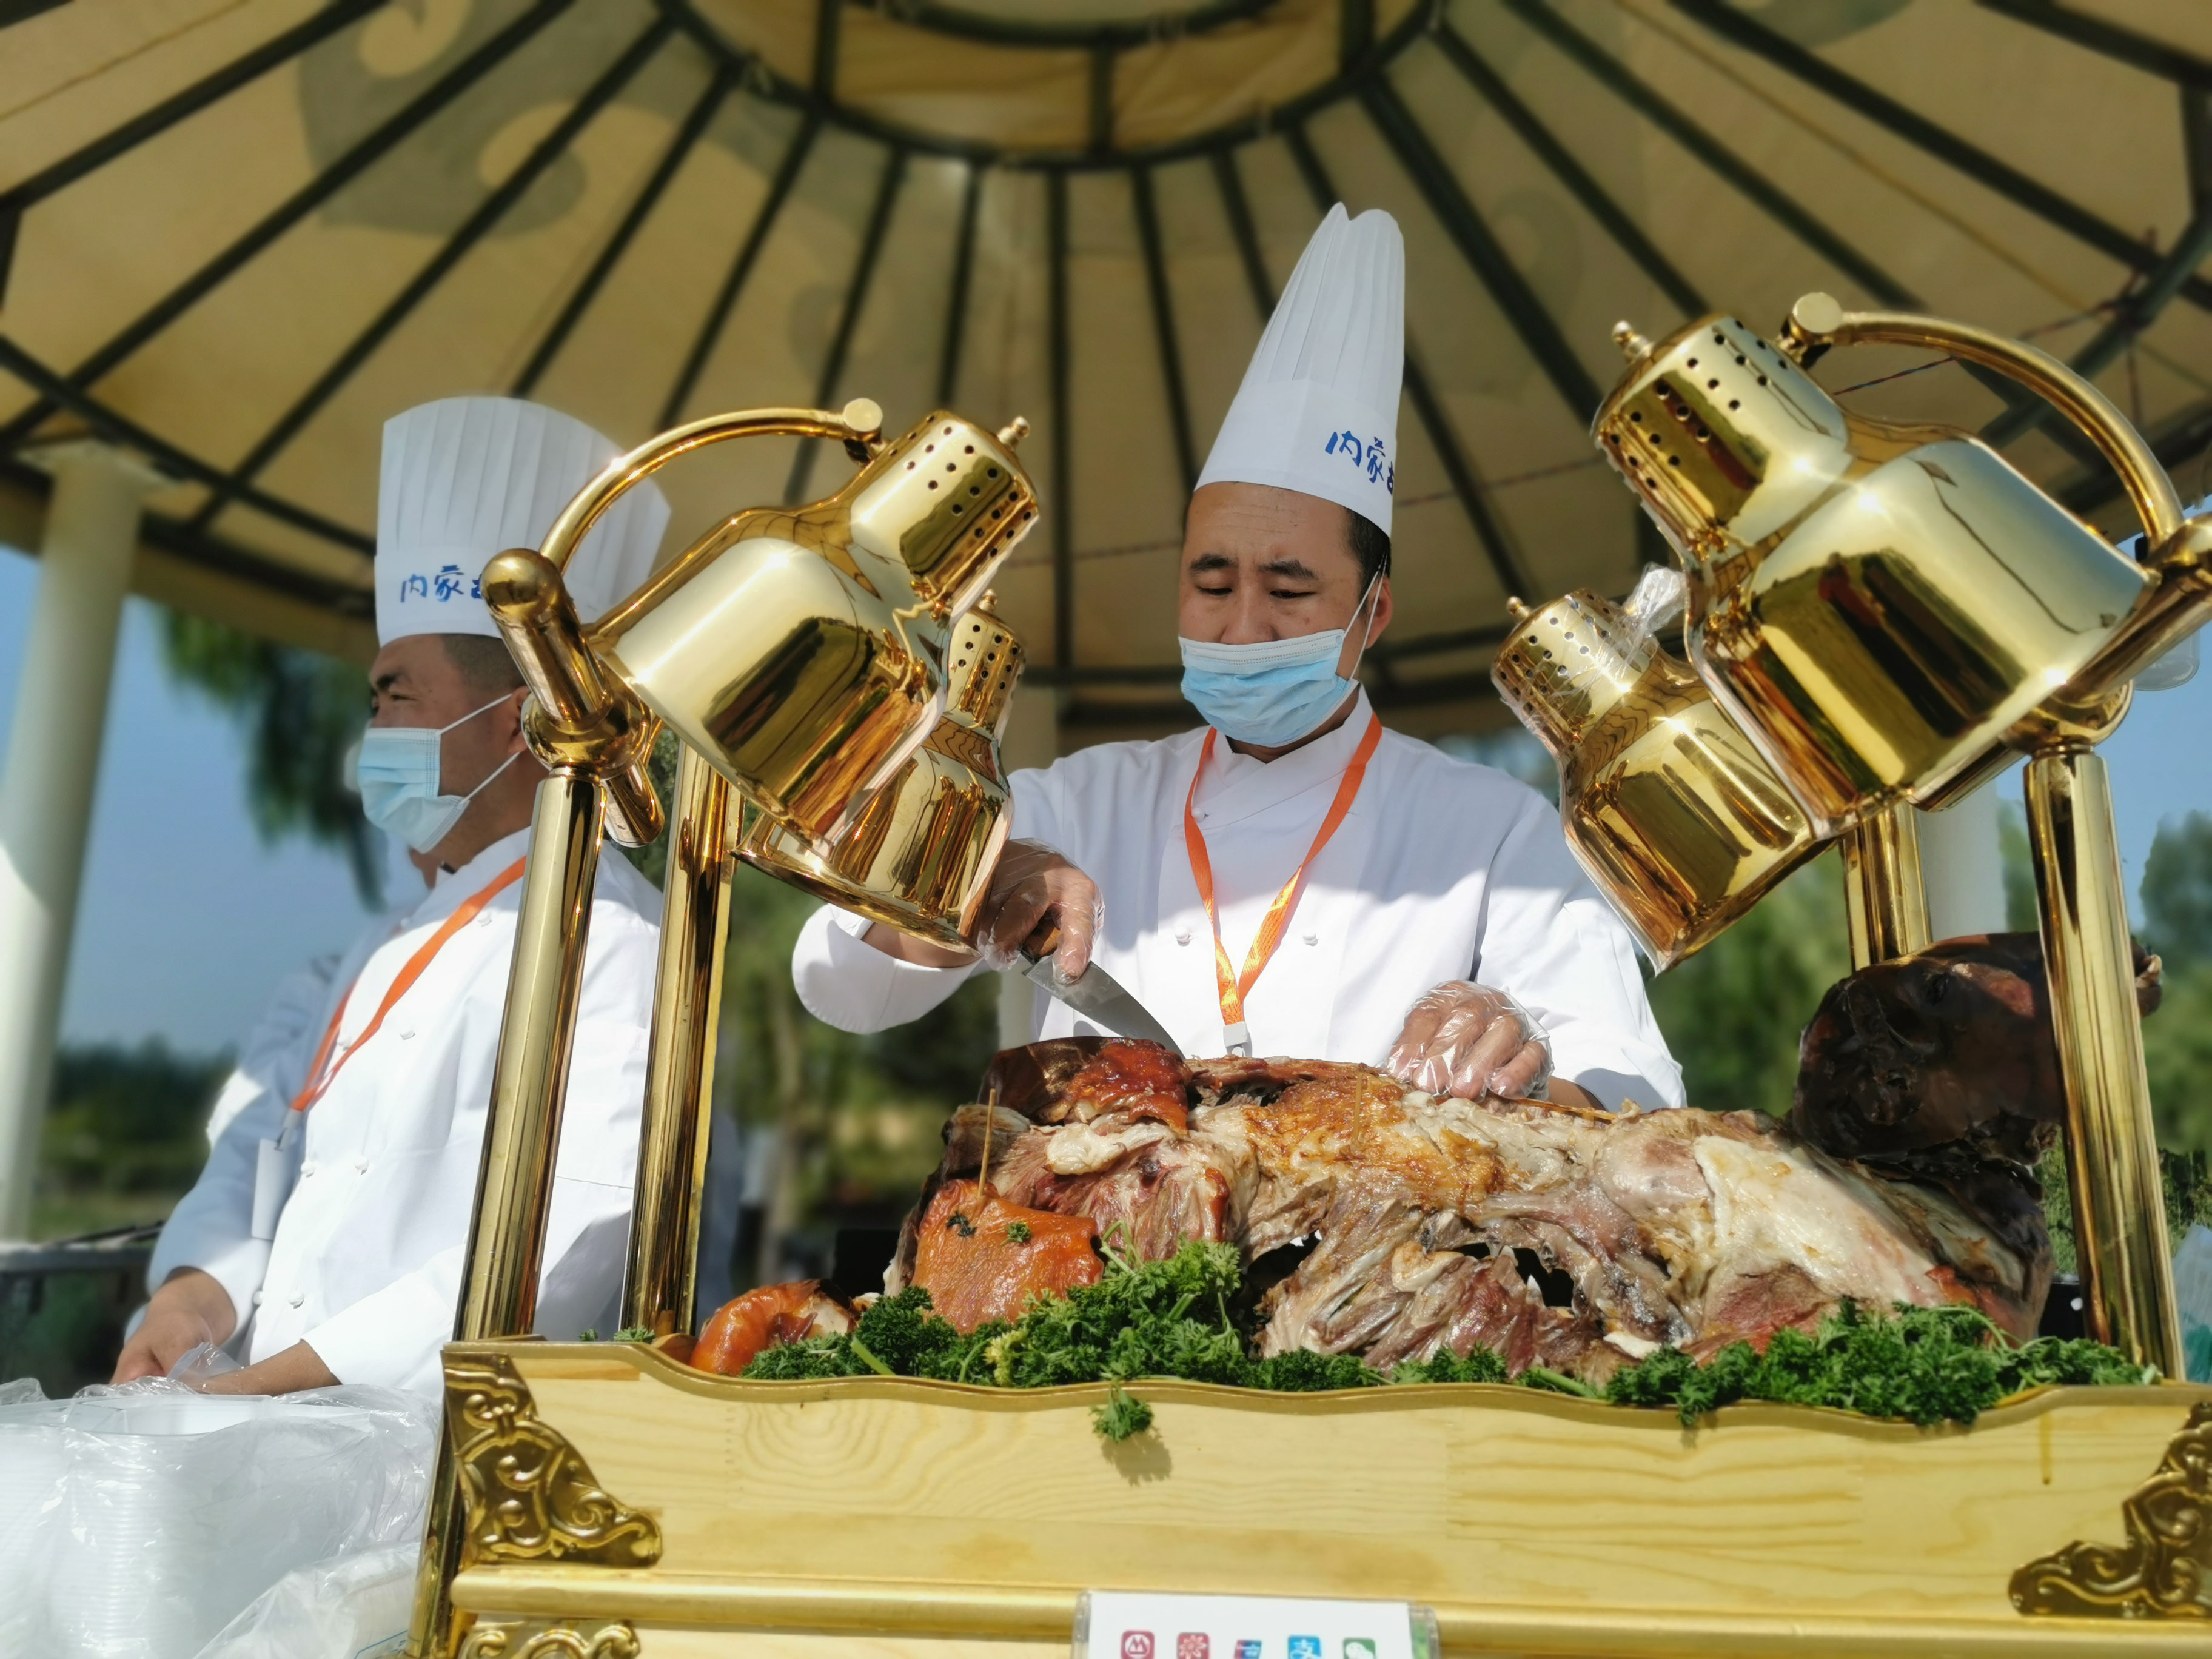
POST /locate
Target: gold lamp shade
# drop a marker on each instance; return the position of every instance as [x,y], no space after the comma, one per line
[802,651]
[1669,808]
[919,855]
[1878,605]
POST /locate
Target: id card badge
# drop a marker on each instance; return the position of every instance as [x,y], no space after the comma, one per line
[273,1179]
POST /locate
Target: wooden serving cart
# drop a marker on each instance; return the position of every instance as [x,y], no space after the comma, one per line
[620,1504]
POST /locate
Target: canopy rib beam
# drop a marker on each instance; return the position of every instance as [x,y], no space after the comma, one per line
[1164,323]
[1627,236]
[2140,51]
[1509,289]
[2006,180]
[856,299]
[209,89]
[633,220]
[1754,186]
[761,79]
[955,298]
[120,430]
[1489,530]
[549,149]
[726,298]
[1237,209]
[158,316]
[1063,449]
[2132,314]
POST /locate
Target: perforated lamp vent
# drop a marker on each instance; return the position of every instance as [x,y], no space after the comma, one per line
[1566,662]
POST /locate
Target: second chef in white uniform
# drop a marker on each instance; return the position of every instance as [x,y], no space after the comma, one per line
[324,1240]
[1293,879]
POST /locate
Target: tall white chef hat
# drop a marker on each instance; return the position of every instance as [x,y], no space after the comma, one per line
[1318,410]
[465,478]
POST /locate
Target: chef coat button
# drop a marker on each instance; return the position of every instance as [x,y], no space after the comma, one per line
[406,1035]
[257,1295]
[299,1298]
[361,1164]
[1313,939]
[306,1168]
[1183,937]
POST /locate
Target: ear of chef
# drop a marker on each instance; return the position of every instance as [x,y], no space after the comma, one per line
[1261,563]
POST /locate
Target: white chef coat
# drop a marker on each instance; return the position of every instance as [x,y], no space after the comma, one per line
[1442,870]
[365,1266]
[278,1051]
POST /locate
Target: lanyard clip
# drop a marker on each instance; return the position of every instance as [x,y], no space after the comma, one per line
[1239,1039]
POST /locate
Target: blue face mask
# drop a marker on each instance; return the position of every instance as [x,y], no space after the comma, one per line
[1272,692]
[396,769]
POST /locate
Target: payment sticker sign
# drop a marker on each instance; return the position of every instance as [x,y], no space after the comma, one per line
[1132,1624]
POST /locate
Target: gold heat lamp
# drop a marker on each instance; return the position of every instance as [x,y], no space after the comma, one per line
[839,691]
[919,855]
[1888,613]
[1667,806]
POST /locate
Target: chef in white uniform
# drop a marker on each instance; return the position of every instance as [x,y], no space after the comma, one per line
[1292,879]
[323,1243]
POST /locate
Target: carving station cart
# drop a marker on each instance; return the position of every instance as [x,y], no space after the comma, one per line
[1881,635]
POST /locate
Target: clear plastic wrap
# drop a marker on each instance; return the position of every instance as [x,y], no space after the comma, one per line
[1470,1040]
[353,1607]
[157,1514]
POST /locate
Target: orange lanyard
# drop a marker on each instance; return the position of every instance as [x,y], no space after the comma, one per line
[408,975]
[1234,987]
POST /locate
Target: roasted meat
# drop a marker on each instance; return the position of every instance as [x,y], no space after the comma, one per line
[1388,1223]
[1378,1220]
[982,1258]
[767,1318]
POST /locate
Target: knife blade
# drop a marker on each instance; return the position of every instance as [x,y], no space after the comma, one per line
[1094,992]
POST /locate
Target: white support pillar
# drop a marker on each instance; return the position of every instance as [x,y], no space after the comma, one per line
[45,792]
[1962,865]
[1032,739]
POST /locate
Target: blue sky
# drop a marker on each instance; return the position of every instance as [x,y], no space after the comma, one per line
[188,919]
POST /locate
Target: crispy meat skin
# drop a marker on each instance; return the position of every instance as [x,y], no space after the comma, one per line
[1437,1223]
[982,1258]
[768,1318]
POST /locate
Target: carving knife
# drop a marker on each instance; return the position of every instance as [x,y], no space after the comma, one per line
[1094,992]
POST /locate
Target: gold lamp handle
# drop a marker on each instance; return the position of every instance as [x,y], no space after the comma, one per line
[859,426]
[1817,322]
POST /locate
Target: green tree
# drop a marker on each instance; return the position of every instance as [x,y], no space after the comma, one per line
[301,714]
[2176,891]
[2176,903]
[1734,1012]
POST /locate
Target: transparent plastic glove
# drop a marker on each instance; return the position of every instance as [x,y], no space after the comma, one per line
[1035,887]
[1469,1041]
[203,1365]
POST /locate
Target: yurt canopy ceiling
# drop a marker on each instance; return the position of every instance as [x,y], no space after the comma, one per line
[238,235]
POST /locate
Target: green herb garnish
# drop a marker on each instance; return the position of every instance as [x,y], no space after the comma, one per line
[1173,1319]
[1017,1232]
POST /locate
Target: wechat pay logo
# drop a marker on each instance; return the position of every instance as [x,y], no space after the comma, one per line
[1359,1647]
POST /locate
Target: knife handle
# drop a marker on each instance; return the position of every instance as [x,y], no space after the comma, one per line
[1044,941]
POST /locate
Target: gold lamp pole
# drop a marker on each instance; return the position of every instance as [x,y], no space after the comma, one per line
[1886,613]
[2111,1148]
[805,658]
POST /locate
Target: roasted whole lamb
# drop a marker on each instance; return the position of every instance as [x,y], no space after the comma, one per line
[1378,1220]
